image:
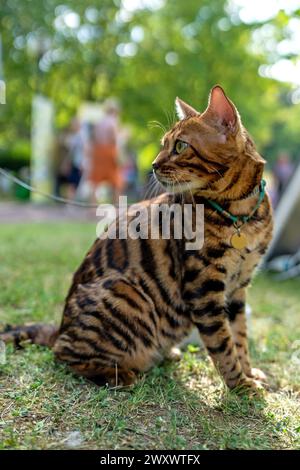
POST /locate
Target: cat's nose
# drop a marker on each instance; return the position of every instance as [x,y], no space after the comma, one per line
[155,166]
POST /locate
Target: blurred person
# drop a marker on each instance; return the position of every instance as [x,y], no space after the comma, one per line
[104,166]
[283,171]
[128,163]
[61,164]
[130,175]
[75,144]
[70,150]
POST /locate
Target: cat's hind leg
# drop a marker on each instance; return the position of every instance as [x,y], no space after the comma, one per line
[97,367]
[112,376]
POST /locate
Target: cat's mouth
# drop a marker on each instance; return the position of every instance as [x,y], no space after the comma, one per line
[175,185]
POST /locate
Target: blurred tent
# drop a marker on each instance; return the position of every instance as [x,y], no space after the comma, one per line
[286,239]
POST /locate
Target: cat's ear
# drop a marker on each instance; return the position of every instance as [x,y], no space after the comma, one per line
[184,110]
[221,111]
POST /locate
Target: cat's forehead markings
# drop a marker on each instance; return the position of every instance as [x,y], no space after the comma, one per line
[172,135]
[166,138]
[178,134]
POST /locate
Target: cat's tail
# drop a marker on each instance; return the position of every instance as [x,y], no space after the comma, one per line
[36,333]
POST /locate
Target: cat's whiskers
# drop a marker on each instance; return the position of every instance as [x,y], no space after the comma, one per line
[157,124]
[157,188]
[170,119]
[181,192]
[148,186]
[151,187]
[174,185]
[190,191]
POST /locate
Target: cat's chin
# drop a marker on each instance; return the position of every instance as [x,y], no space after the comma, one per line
[177,188]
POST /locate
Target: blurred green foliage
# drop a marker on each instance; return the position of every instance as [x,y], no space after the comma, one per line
[75,50]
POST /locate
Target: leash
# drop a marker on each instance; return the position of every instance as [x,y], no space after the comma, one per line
[30,188]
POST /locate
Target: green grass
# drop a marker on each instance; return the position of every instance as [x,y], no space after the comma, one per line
[176,406]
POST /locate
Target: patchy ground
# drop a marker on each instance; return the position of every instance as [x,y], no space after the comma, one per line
[177,406]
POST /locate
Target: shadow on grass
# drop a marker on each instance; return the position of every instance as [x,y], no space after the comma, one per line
[174,406]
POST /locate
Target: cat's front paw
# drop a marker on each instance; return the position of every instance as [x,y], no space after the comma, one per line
[174,354]
[249,386]
[258,374]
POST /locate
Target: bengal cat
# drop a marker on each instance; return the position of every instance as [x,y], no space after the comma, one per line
[133,300]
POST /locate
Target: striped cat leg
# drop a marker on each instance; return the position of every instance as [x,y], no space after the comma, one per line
[237,318]
[238,323]
[212,322]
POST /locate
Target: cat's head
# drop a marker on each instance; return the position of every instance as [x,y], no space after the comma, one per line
[209,153]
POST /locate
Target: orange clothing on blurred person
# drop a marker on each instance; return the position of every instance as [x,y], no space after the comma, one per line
[104,166]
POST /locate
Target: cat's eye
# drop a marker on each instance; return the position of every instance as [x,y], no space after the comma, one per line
[180,146]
